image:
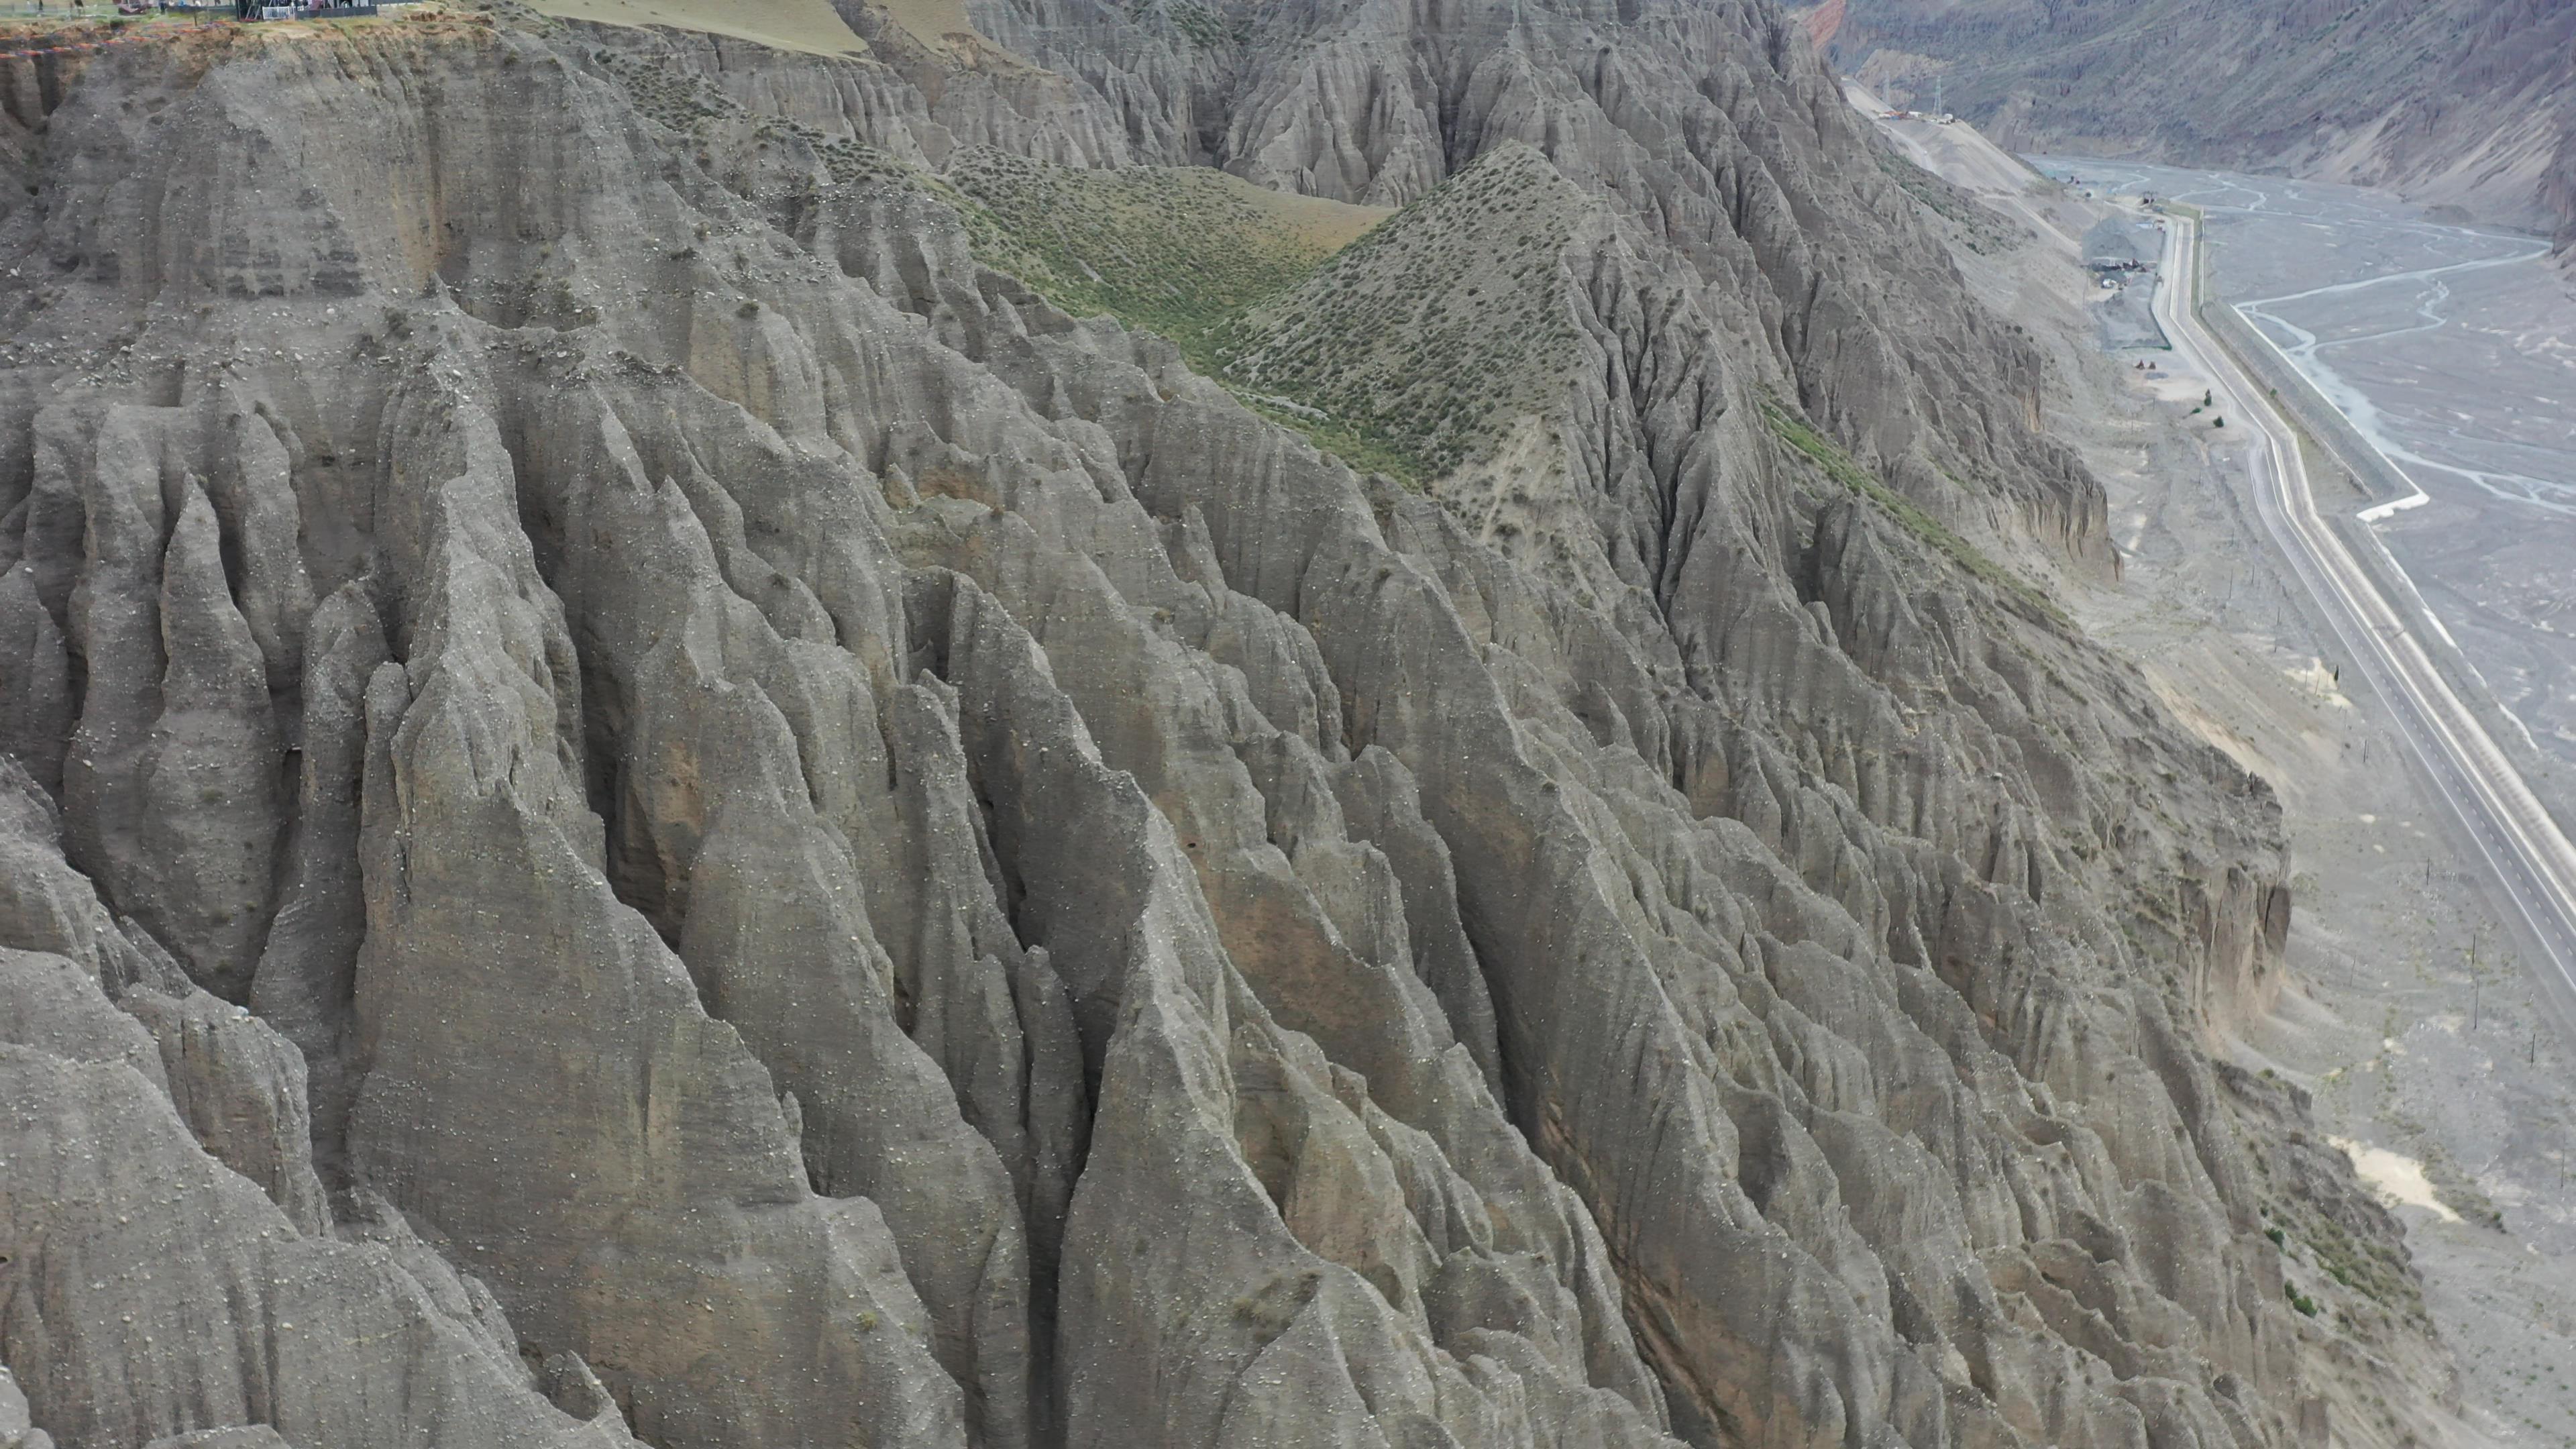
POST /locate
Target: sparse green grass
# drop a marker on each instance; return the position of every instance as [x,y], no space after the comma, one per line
[1182,252]
[1177,250]
[1839,466]
[2374,1272]
[2363,1268]
[1406,349]
[1201,24]
[1430,336]
[1366,449]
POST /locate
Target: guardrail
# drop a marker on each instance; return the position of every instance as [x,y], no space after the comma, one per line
[2389,490]
[2383,482]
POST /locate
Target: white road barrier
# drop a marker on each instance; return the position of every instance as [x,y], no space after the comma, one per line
[2529,854]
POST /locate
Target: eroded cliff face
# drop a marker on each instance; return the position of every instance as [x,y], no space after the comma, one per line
[2471,105]
[645,800]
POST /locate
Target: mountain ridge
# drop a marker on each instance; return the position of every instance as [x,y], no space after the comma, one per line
[763,836]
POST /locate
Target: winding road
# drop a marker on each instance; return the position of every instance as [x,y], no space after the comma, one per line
[2531,857]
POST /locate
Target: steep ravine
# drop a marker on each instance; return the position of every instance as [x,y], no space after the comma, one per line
[646,803]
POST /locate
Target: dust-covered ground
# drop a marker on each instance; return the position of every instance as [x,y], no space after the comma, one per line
[2432,1055]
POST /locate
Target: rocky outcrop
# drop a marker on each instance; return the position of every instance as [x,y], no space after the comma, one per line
[829,853]
[168,1262]
[2558,199]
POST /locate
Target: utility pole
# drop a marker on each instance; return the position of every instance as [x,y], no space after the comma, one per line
[2477,978]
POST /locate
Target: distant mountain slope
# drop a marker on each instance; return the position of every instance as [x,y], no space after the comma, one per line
[2471,103]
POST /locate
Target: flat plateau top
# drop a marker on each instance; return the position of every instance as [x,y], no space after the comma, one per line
[809,26]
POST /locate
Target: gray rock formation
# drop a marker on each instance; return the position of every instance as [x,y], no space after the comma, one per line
[151,1287]
[650,799]
[16,1431]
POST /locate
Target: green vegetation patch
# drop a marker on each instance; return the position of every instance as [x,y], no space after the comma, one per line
[1405,344]
[1191,254]
[1198,22]
[1839,466]
[1424,341]
[1180,250]
[2375,1271]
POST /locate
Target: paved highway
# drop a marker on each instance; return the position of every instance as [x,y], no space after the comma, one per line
[2530,855]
